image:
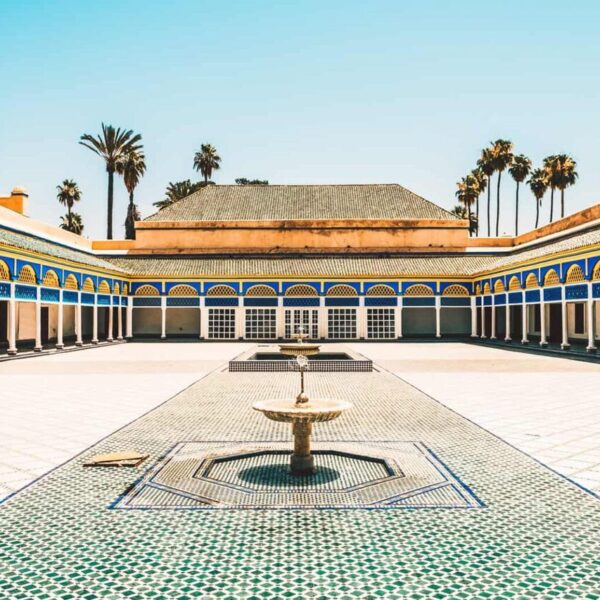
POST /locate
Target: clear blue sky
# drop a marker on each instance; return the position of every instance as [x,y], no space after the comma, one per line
[296,92]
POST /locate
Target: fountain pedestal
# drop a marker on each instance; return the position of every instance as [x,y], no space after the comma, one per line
[302,461]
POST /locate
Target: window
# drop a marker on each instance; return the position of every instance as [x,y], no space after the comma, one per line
[261,323]
[381,323]
[341,323]
[221,323]
[307,318]
[579,318]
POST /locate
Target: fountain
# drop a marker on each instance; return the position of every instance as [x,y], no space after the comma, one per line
[304,412]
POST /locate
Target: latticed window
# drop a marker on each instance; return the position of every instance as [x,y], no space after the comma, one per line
[381,323]
[514,284]
[71,283]
[531,281]
[341,323]
[27,275]
[88,285]
[341,290]
[551,278]
[221,323]
[418,290]
[307,318]
[478,289]
[498,286]
[456,290]
[301,290]
[125,289]
[51,279]
[575,274]
[221,290]
[183,290]
[116,288]
[381,290]
[487,289]
[261,323]
[4,271]
[596,273]
[104,288]
[260,291]
[147,290]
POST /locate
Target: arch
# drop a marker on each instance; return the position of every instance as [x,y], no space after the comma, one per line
[499,286]
[575,275]
[487,289]
[88,285]
[183,290]
[116,288]
[71,282]
[147,290]
[301,289]
[341,289]
[221,290]
[418,290]
[381,290]
[260,290]
[27,275]
[551,278]
[596,272]
[531,281]
[514,284]
[104,287]
[4,271]
[125,289]
[478,289]
[51,279]
[455,290]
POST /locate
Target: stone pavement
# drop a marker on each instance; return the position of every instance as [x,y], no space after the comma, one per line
[547,407]
[54,407]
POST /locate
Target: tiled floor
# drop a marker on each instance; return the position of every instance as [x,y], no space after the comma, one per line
[548,407]
[54,407]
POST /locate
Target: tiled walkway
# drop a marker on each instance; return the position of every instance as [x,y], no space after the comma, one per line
[548,407]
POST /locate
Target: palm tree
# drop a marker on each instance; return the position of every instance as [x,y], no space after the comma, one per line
[68,194]
[206,161]
[177,191]
[565,176]
[486,165]
[482,184]
[502,158]
[132,166]
[461,212]
[112,145]
[72,222]
[520,169]
[467,194]
[550,167]
[245,181]
[538,183]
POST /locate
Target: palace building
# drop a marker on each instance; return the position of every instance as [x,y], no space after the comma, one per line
[346,262]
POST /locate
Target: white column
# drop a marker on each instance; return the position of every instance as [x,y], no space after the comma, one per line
[163,317]
[78,322]
[524,339]
[591,321]
[60,322]
[543,339]
[483,336]
[399,318]
[438,308]
[493,332]
[119,319]
[95,321]
[239,321]
[12,321]
[322,318]
[361,316]
[507,337]
[38,321]
[129,323]
[280,327]
[565,322]
[109,337]
[473,316]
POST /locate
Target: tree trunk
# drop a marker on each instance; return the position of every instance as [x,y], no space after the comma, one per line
[477,214]
[109,218]
[489,203]
[537,212]
[130,220]
[562,202]
[498,204]
[551,204]
[517,212]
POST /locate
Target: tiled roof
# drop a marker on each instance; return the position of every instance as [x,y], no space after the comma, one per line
[294,202]
[286,266]
[36,244]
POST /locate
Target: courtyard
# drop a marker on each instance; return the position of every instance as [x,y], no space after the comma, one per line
[516,436]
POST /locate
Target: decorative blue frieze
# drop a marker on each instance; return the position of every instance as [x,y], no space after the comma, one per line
[252,301]
[500,299]
[87,299]
[124,301]
[341,301]
[227,301]
[69,297]
[301,302]
[413,301]
[532,296]
[146,301]
[455,301]
[478,301]
[50,295]
[381,301]
[596,290]
[552,294]
[116,300]
[25,292]
[4,290]
[487,300]
[576,292]
[103,300]
[184,301]
[515,297]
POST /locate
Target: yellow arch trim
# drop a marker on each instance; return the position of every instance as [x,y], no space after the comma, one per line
[147,290]
[51,279]
[301,290]
[575,274]
[551,278]
[27,275]
[341,289]
[4,271]
[418,290]
[260,290]
[183,290]
[455,290]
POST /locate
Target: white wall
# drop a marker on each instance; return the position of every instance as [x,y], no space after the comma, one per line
[455,320]
[25,320]
[418,321]
[146,321]
[183,321]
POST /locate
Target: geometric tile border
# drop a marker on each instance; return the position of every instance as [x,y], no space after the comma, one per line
[255,475]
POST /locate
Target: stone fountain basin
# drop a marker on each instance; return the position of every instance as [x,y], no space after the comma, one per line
[317,411]
[299,349]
